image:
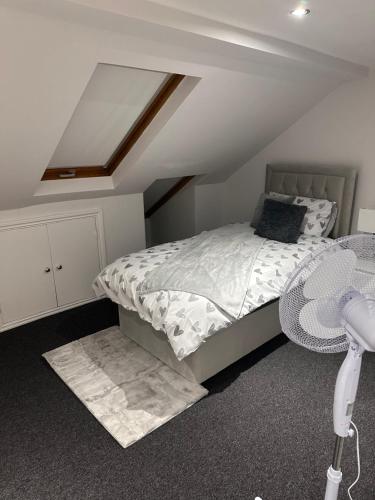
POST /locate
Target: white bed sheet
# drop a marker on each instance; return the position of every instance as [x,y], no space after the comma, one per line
[189,319]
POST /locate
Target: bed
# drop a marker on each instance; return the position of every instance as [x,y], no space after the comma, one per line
[189,332]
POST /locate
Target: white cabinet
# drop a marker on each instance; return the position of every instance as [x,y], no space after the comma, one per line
[75,257]
[48,265]
[26,278]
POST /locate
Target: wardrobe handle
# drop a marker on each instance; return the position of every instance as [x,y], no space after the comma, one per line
[59,267]
[47,270]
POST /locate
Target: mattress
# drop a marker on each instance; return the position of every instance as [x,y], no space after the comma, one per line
[186,318]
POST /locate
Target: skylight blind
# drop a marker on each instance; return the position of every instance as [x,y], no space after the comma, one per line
[113,100]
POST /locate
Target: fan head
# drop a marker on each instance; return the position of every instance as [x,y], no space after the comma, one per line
[311,302]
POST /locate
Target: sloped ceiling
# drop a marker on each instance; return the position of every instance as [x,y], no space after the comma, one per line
[341,28]
[251,88]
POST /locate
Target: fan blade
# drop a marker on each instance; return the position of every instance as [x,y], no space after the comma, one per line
[321,319]
[331,276]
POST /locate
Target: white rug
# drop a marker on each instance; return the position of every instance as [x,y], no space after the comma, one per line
[127,389]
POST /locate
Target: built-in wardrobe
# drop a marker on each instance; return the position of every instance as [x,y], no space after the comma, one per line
[48,264]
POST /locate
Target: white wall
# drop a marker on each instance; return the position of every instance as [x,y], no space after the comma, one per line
[197,208]
[158,189]
[208,206]
[123,220]
[176,219]
[340,130]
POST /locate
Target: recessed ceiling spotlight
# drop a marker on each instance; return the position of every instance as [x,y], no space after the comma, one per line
[299,12]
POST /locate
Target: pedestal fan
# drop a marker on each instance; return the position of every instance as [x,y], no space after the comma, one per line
[328,305]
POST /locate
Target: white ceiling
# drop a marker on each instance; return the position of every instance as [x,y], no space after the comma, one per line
[342,28]
[252,87]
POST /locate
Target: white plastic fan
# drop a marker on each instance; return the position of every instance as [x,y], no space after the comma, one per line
[328,305]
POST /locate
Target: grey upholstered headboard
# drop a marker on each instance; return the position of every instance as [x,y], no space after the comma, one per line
[330,183]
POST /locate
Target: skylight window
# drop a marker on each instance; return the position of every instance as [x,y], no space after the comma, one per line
[116,107]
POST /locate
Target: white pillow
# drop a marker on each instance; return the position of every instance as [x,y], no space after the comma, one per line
[332,220]
[318,215]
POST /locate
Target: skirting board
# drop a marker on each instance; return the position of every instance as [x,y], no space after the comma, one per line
[219,351]
[13,324]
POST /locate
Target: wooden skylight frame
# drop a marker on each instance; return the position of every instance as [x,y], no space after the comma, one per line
[130,139]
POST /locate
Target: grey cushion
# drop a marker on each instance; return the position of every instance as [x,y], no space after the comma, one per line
[259,208]
[280,221]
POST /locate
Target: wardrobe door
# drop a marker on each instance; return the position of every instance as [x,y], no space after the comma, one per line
[75,258]
[26,278]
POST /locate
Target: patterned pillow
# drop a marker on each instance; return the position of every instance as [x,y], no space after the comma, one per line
[332,220]
[259,208]
[318,215]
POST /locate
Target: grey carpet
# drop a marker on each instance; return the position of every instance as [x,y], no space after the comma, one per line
[265,429]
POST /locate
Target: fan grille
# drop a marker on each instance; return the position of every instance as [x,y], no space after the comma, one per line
[325,338]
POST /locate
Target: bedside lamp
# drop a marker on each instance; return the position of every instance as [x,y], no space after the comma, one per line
[366,220]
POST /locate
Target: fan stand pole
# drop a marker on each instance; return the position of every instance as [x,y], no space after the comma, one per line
[345,394]
[337,455]
[334,474]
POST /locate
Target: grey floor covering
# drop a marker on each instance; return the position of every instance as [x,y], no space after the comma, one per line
[265,429]
[128,390]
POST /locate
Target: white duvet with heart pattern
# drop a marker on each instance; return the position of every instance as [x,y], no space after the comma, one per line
[189,319]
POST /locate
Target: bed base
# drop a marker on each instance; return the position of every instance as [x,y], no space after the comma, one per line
[219,351]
